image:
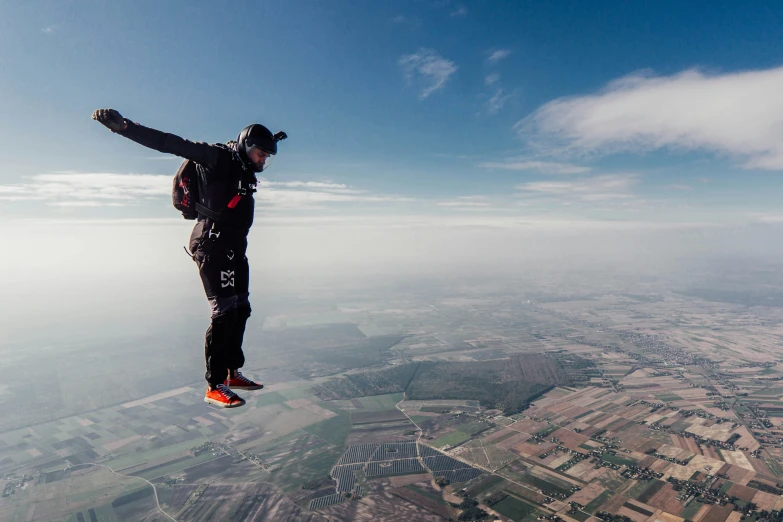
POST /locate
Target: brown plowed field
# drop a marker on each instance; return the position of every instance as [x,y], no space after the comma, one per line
[666,499]
[428,503]
[383,507]
[741,492]
[718,513]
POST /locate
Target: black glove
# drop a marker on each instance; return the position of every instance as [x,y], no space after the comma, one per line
[110,119]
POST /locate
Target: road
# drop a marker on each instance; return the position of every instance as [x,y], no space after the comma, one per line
[154,489]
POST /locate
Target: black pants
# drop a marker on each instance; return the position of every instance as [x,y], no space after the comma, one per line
[225,274]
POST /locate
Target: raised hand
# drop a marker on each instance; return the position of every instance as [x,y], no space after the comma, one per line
[110,119]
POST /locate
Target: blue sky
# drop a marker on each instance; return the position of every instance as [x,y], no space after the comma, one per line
[476,112]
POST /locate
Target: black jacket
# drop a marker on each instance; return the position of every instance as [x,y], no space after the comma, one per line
[221,175]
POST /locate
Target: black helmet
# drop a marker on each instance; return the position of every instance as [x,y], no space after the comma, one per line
[257,135]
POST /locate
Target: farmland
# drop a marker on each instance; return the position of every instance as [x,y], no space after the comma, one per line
[625,402]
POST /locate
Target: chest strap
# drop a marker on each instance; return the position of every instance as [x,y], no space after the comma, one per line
[208,212]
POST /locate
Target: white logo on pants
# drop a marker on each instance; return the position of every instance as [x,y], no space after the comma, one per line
[226,278]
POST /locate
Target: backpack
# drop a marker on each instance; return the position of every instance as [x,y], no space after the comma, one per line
[185,196]
[184,193]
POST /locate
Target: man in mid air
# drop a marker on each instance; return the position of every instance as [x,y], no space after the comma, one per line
[225,180]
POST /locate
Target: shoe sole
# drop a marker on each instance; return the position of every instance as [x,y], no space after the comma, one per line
[251,388]
[223,404]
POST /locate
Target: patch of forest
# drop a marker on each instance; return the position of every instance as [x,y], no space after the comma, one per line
[504,385]
[508,384]
[362,353]
[389,380]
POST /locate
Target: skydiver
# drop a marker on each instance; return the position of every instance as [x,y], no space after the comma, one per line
[226,180]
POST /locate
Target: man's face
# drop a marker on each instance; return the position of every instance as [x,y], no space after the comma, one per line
[258,156]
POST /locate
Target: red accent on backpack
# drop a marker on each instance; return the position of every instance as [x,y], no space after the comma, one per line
[184,193]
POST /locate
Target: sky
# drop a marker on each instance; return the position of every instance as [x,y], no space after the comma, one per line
[420,131]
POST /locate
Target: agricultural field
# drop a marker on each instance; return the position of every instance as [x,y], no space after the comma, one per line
[650,404]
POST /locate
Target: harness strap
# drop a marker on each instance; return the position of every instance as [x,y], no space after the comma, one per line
[211,214]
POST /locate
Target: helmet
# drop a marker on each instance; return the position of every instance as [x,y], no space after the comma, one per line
[257,136]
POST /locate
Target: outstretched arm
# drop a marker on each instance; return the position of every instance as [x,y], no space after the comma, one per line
[202,153]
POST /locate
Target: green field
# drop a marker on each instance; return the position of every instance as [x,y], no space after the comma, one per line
[513,508]
[179,466]
[437,409]
[381,402]
[691,510]
[485,485]
[295,393]
[545,485]
[265,399]
[334,430]
[594,504]
[773,466]
[134,459]
[637,489]
[474,427]
[616,459]
[452,439]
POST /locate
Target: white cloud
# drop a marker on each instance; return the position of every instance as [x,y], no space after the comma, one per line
[768,218]
[88,189]
[737,114]
[547,167]
[86,204]
[21,198]
[599,188]
[74,189]
[466,202]
[375,221]
[306,198]
[13,189]
[498,55]
[307,194]
[497,101]
[48,30]
[316,185]
[491,79]
[428,69]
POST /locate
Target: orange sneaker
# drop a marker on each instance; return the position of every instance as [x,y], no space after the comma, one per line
[222,396]
[240,382]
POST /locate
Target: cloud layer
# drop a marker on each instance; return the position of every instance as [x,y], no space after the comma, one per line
[427,69]
[598,188]
[546,167]
[75,189]
[739,115]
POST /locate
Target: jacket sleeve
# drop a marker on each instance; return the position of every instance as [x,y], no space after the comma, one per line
[202,153]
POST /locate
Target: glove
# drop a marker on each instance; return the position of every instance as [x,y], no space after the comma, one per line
[110,119]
